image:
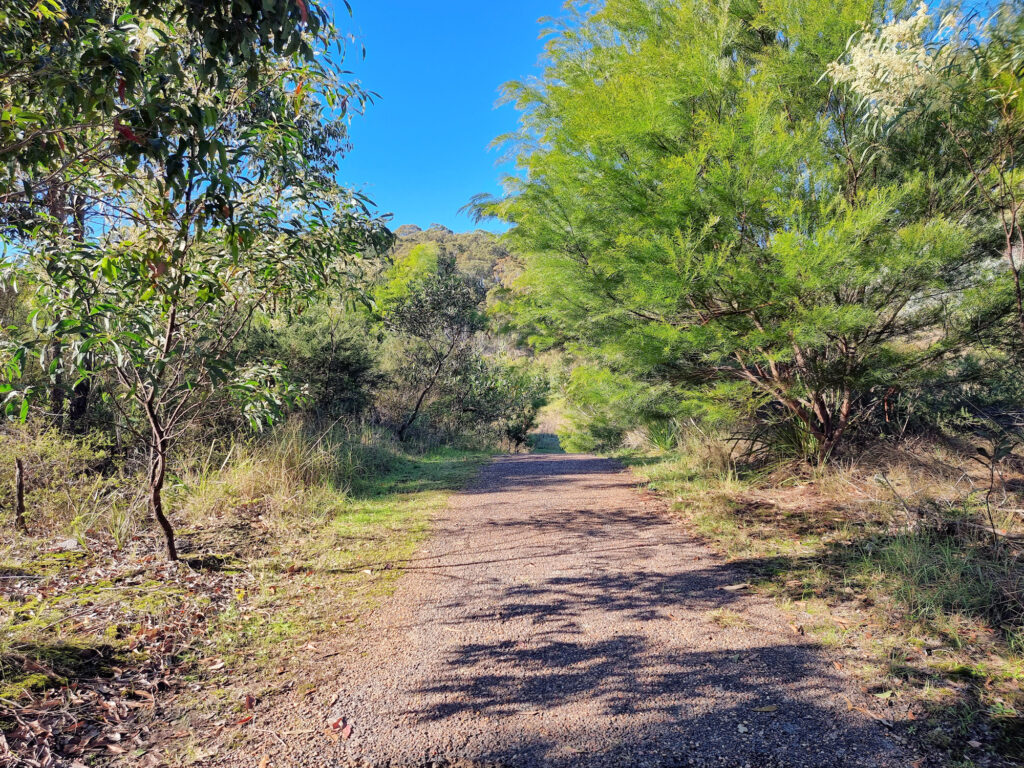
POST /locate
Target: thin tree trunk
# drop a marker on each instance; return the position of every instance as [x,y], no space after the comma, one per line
[407,425]
[157,475]
[19,497]
[57,396]
[78,407]
[423,395]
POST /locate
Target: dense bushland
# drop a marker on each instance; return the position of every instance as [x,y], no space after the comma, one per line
[205,273]
[202,331]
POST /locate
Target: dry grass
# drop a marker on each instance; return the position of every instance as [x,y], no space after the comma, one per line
[727,619]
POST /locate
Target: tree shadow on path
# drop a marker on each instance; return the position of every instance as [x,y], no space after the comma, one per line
[562,623]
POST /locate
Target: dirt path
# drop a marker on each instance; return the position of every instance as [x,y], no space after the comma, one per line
[558,618]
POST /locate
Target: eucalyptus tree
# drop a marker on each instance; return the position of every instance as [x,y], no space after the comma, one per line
[85,81]
[212,198]
[695,207]
[433,312]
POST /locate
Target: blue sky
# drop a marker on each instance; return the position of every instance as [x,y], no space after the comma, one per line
[421,151]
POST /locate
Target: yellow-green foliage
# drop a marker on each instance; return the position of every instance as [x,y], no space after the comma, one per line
[407,270]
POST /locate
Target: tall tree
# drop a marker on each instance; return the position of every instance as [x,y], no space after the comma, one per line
[434,312]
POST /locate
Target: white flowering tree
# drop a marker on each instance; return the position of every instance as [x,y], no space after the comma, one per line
[958,79]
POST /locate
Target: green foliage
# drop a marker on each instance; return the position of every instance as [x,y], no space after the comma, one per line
[407,272]
[699,209]
[521,393]
[478,255]
[147,267]
[433,324]
[89,81]
[333,352]
[484,393]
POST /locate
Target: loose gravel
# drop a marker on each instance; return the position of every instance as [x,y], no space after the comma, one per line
[559,617]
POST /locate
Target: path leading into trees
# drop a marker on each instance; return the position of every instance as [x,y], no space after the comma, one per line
[557,617]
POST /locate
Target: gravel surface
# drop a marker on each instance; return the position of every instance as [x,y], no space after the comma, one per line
[558,617]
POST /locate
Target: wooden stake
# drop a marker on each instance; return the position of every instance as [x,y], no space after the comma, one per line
[19,497]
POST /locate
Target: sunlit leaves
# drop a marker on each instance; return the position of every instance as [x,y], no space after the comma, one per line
[700,207]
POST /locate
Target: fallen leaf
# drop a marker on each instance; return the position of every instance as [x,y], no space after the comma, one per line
[975,744]
[884,695]
[265,761]
[346,732]
[735,587]
[250,702]
[769,708]
[244,720]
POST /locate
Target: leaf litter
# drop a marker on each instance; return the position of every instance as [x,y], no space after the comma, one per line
[107,659]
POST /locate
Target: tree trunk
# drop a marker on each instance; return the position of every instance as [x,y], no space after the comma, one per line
[157,474]
[407,425]
[78,407]
[57,396]
[404,429]
[19,497]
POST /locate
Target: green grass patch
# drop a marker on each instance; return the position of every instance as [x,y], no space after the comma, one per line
[281,551]
[325,574]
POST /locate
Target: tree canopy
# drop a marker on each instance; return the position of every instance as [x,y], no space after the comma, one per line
[701,203]
[170,174]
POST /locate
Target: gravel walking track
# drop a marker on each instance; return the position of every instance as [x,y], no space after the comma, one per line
[559,617]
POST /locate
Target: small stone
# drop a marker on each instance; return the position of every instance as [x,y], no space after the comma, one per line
[741,728]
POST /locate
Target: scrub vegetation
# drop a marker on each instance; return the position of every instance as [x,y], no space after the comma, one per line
[769,252]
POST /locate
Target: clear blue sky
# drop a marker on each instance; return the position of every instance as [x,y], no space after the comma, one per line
[421,151]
